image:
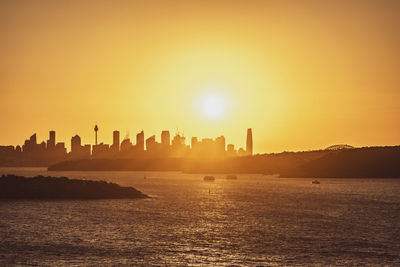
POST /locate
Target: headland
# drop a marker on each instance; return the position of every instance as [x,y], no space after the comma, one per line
[367,162]
[40,187]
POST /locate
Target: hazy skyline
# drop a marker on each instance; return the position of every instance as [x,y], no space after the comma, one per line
[303,74]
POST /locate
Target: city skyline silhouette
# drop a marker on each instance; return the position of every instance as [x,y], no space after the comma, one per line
[52,151]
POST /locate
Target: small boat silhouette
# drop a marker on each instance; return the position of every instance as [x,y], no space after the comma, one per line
[209,178]
[231,177]
[315,182]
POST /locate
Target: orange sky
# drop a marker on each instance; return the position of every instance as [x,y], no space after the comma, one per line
[303,74]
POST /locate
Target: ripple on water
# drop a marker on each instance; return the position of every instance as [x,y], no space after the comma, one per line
[255,220]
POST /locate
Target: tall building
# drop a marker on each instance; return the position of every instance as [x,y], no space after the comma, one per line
[115,144]
[32,139]
[30,145]
[165,138]
[60,147]
[100,150]
[51,143]
[178,140]
[86,150]
[230,150]
[249,142]
[194,142]
[126,145]
[76,144]
[42,146]
[178,146]
[151,143]
[220,144]
[140,141]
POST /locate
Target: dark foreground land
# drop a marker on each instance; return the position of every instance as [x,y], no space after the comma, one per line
[367,162]
[40,187]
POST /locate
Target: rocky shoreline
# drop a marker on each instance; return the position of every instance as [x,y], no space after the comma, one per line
[41,187]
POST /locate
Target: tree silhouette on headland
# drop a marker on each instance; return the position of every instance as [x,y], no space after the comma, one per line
[40,187]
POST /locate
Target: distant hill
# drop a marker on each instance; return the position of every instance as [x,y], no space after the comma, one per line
[374,162]
[267,163]
[40,187]
[355,162]
[339,147]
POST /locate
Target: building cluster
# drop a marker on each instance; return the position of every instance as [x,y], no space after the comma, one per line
[34,153]
[50,151]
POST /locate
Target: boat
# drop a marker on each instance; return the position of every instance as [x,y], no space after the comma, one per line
[231,177]
[209,178]
[315,182]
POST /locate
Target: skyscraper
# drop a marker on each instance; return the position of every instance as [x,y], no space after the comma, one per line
[75,144]
[230,150]
[32,139]
[115,144]
[220,144]
[140,141]
[249,142]
[151,143]
[126,145]
[194,142]
[51,143]
[165,138]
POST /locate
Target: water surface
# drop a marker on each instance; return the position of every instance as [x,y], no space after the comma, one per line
[255,220]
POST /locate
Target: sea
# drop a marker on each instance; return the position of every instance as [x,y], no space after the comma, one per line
[255,220]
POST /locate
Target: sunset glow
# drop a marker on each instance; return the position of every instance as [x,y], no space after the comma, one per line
[134,69]
[213,106]
[200,133]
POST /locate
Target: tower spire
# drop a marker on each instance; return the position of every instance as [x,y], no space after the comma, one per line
[95,131]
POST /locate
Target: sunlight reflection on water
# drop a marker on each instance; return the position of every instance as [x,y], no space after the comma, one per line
[255,220]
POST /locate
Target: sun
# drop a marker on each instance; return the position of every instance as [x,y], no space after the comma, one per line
[213,106]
